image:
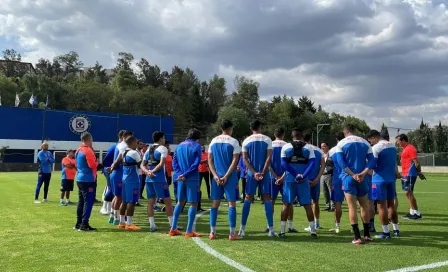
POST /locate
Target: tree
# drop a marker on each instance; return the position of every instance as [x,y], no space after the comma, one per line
[97,73]
[11,66]
[441,138]
[245,95]
[240,121]
[70,64]
[305,104]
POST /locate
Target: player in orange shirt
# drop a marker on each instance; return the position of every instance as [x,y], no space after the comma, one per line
[68,176]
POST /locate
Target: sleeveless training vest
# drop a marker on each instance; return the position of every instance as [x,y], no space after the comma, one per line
[298,157]
[151,160]
[125,163]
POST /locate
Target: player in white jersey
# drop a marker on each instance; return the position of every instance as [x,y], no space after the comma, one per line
[257,151]
[223,156]
[337,194]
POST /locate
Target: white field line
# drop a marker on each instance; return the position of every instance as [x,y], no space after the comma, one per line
[421,267]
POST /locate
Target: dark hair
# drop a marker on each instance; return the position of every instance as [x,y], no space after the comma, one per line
[325,143]
[120,134]
[373,133]
[85,136]
[339,136]
[127,133]
[226,124]
[157,135]
[307,137]
[255,125]
[297,133]
[129,140]
[279,132]
[349,127]
[167,143]
[194,134]
[402,137]
[69,151]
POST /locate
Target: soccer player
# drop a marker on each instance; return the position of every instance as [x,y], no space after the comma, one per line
[257,151]
[86,166]
[354,156]
[68,177]
[204,174]
[116,176]
[277,174]
[368,180]
[410,169]
[315,175]
[131,160]
[142,149]
[242,174]
[298,160]
[337,194]
[45,161]
[185,164]
[108,194]
[383,182]
[154,164]
[223,155]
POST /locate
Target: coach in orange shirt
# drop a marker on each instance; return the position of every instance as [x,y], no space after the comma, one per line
[68,176]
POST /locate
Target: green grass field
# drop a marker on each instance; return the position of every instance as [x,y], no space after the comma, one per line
[40,238]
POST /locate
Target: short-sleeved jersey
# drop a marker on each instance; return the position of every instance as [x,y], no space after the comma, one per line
[242,166]
[318,153]
[288,152]
[256,146]
[119,149]
[385,154]
[86,164]
[223,148]
[109,158]
[160,152]
[169,165]
[408,167]
[68,173]
[336,179]
[203,166]
[353,151]
[186,160]
[130,172]
[45,160]
[276,157]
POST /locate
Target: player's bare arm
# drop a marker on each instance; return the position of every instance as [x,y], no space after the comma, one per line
[321,172]
[280,180]
[267,163]
[143,167]
[211,167]
[273,173]
[158,167]
[115,164]
[247,163]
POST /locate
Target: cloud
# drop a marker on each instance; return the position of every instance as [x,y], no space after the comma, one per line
[383,60]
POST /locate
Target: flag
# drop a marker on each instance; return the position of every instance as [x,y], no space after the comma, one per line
[33,100]
[0,100]
[47,103]
[17,100]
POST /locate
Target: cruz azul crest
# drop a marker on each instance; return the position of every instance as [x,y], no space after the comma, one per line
[79,124]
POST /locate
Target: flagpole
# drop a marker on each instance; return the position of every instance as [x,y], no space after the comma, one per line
[44,119]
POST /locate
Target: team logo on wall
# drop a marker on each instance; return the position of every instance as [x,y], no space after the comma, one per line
[79,124]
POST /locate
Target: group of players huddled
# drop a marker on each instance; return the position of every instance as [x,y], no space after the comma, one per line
[363,172]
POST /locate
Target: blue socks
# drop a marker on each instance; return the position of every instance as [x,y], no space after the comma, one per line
[246,210]
[232,217]
[269,214]
[177,211]
[191,218]
[213,216]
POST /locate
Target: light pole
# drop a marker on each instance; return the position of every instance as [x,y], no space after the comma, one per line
[319,128]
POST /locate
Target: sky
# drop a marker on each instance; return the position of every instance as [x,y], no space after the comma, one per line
[382,61]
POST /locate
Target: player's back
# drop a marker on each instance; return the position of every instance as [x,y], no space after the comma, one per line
[109,158]
[336,167]
[354,151]
[223,148]
[257,146]
[185,156]
[276,160]
[318,153]
[298,155]
[131,158]
[120,148]
[386,155]
[153,156]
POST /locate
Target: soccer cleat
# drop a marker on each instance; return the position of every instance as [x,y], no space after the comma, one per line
[356,241]
[331,210]
[234,237]
[282,235]
[132,228]
[180,228]
[104,212]
[45,200]
[266,230]
[212,236]
[293,230]
[62,203]
[313,236]
[116,222]
[77,226]
[335,230]
[164,209]
[415,217]
[308,229]
[190,235]
[122,226]
[272,233]
[174,233]
[111,220]
[68,202]
[156,209]
[37,201]
[368,239]
[317,226]
[396,233]
[407,216]
[86,228]
[241,233]
[383,236]
[196,234]
[153,229]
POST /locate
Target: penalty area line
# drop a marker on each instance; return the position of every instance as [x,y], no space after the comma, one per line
[215,253]
[421,267]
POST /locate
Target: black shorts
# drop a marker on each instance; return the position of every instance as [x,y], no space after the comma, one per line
[67,185]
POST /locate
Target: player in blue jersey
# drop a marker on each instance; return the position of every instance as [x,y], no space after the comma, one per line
[131,160]
[242,171]
[257,151]
[223,155]
[298,160]
[156,183]
[45,161]
[352,153]
[337,194]
[116,177]
[368,180]
[314,179]
[383,182]
[187,158]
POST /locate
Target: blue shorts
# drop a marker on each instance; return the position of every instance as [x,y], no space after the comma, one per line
[188,191]
[337,194]
[315,192]
[352,187]
[131,192]
[291,190]
[275,189]
[383,191]
[252,184]
[116,179]
[159,189]
[231,189]
[408,183]
[369,184]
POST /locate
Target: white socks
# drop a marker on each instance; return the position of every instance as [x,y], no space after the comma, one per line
[243,228]
[213,229]
[386,229]
[395,226]
[283,226]
[170,220]
[290,224]
[232,231]
[129,219]
[122,221]
[152,224]
[312,227]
